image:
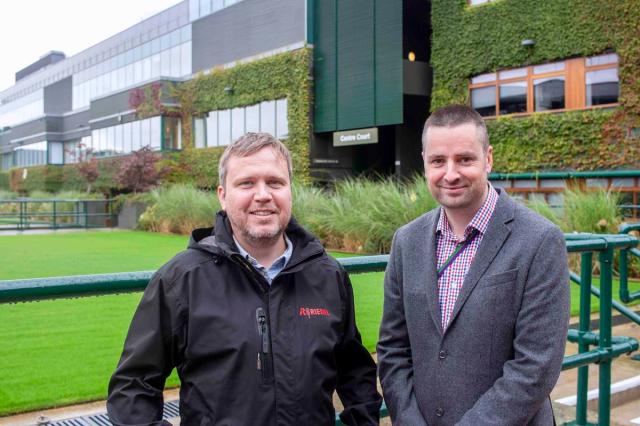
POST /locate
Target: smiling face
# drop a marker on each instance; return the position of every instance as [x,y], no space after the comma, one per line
[456,167]
[257,197]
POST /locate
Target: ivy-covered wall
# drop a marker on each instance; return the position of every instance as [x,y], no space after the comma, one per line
[468,40]
[279,76]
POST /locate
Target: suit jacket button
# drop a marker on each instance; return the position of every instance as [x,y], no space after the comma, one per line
[442,354]
[439,412]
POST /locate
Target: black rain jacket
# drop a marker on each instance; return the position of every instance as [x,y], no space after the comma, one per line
[247,353]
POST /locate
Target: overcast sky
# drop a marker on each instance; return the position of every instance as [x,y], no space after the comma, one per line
[31,28]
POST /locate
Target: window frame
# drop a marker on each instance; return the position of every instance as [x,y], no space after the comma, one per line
[575,90]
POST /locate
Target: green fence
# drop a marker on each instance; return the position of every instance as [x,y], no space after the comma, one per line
[593,348]
[22,213]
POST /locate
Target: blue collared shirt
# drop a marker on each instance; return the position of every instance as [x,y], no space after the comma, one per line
[276,267]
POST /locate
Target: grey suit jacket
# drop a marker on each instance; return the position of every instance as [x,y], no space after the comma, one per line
[501,353]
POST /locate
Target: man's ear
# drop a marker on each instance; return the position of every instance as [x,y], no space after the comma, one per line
[489,159]
[221,197]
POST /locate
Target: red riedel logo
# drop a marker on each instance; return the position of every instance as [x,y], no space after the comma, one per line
[313,312]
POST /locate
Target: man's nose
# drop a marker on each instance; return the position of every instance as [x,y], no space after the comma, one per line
[262,192]
[451,172]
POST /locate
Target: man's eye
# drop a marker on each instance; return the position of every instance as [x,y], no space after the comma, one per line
[466,160]
[245,184]
[437,161]
[276,184]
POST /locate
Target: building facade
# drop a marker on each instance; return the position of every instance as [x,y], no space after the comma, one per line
[61,107]
[347,84]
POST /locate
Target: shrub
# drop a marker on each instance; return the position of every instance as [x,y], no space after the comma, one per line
[545,210]
[4,181]
[138,171]
[7,195]
[310,208]
[179,209]
[365,214]
[592,211]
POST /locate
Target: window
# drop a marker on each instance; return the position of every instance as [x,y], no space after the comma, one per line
[564,85]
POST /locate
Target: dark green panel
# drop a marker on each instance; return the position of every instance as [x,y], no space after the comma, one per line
[355,64]
[388,66]
[325,108]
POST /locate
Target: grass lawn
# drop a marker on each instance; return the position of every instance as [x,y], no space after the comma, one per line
[58,352]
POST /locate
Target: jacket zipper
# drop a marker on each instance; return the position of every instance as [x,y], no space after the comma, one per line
[264,361]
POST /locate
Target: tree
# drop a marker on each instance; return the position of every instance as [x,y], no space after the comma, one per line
[138,172]
[86,164]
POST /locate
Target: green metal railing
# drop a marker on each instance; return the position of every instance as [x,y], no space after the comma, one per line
[625,295]
[606,347]
[23,213]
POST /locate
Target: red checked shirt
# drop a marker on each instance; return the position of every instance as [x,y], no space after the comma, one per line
[450,282]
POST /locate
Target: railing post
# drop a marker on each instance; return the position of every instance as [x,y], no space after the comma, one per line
[604,394]
[54,215]
[586,261]
[624,283]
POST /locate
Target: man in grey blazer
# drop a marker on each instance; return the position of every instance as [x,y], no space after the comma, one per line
[476,304]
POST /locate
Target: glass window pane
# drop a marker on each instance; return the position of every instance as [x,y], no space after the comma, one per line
[212,129]
[217,5]
[155,133]
[118,139]
[541,69]
[513,97]
[282,124]
[199,133]
[224,127]
[135,136]
[519,72]
[165,63]
[602,87]
[185,59]
[483,100]
[548,93]
[268,117]
[111,140]
[252,116]
[145,132]
[237,123]
[176,60]
[610,58]
[127,138]
[205,7]
[484,78]
[56,153]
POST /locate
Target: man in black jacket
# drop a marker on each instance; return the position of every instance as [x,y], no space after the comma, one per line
[257,319]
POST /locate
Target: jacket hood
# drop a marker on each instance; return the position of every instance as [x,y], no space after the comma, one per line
[218,240]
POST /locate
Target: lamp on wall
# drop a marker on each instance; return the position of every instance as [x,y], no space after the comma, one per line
[527,42]
[228,90]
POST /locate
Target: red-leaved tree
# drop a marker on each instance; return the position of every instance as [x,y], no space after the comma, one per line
[138,172]
[86,164]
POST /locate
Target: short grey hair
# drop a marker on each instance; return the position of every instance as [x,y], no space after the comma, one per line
[248,144]
[457,115]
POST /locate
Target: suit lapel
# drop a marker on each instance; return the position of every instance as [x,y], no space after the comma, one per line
[430,275]
[495,236]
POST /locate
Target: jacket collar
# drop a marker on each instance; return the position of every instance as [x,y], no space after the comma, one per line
[219,240]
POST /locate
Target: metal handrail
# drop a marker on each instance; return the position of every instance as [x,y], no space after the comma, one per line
[21,217]
[607,347]
[625,295]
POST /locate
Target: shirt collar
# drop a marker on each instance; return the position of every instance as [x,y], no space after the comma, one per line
[480,220]
[277,265]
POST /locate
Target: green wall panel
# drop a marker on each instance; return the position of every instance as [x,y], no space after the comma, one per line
[358,64]
[355,64]
[388,92]
[325,78]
